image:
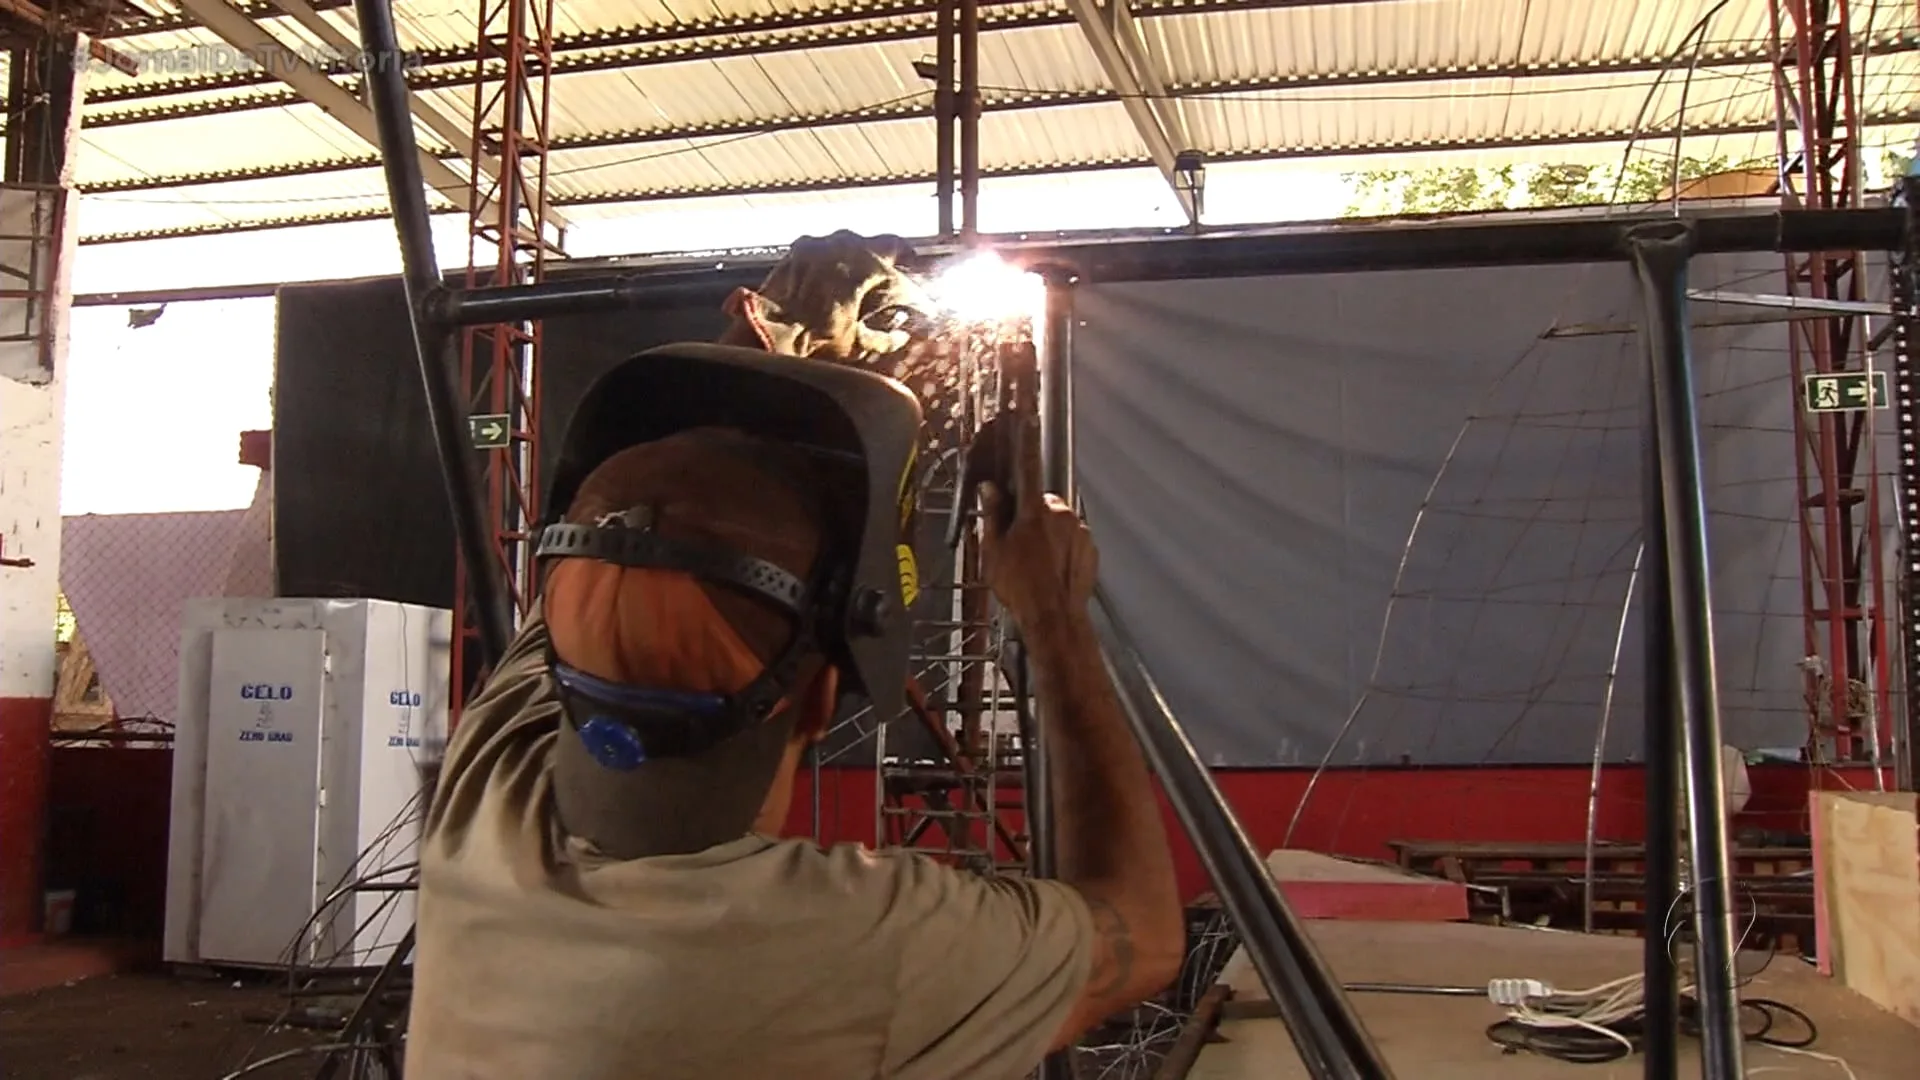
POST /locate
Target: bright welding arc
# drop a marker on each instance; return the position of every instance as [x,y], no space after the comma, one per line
[981,287]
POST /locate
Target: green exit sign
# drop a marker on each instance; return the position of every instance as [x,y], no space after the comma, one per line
[1850,391]
[491,431]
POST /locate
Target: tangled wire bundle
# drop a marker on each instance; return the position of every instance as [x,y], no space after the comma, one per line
[1608,1022]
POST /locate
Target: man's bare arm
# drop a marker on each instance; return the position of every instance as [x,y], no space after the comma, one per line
[1110,842]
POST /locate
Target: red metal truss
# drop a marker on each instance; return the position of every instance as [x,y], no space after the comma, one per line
[1842,573]
[508,244]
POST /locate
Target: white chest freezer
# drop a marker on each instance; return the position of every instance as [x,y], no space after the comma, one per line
[302,730]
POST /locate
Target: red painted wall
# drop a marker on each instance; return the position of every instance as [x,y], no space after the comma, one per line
[1356,812]
[24,725]
[108,810]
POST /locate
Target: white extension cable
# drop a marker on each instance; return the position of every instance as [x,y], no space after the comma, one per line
[1537,1004]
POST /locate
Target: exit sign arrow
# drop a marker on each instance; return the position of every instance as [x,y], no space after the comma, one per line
[1845,391]
[490,431]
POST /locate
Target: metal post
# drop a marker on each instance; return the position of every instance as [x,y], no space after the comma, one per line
[1036,781]
[432,338]
[1905,380]
[1327,1033]
[1056,464]
[969,119]
[1663,750]
[1660,253]
[813,760]
[1056,387]
[943,30]
[366,1012]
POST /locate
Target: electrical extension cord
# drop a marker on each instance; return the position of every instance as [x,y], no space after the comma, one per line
[1516,993]
[1536,1006]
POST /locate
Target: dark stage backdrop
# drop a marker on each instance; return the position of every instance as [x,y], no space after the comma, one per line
[1394,517]
[358,503]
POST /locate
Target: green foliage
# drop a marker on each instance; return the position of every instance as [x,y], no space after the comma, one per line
[1387,192]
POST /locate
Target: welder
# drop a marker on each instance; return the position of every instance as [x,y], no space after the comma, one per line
[604,893]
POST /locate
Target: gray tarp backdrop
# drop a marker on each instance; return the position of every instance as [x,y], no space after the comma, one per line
[1254,453]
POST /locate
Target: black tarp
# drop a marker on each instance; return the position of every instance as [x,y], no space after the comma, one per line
[359,506]
[1255,455]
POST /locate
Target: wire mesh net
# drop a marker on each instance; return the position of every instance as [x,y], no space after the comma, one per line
[1537,505]
[124,579]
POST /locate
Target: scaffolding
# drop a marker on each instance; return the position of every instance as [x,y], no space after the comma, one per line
[1843,576]
[950,777]
[35,251]
[507,244]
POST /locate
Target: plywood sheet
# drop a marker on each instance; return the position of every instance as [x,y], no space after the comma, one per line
[1867,895]
[1323,887]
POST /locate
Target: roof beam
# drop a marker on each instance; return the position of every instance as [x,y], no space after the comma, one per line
[313,84]
[890,113]
[257,10]
[1116,42]
[457,135]
[1751,55]
[441,68]
[817,16]
[40,19]
[866,22]
[1355,152]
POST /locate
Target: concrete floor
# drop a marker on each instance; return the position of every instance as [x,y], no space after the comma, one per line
[156,1027]
[144,1027]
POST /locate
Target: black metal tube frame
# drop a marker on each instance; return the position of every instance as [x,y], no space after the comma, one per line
[432,333]
[1337,250]
[1327,1033]
[1661,737]
[1131,256]
[1682,681]
[969,112]
[1056,465]
[1056,388]
[943,114]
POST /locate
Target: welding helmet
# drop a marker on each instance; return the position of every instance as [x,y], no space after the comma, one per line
[863,428]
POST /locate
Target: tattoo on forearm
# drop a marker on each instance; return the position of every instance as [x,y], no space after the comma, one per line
[1113,952]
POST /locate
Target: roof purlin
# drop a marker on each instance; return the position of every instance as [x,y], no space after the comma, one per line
[1903,118]
[917,109]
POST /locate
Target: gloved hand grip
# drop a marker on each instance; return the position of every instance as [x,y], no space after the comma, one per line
[993,458]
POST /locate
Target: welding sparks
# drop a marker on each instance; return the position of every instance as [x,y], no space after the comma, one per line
[984,288]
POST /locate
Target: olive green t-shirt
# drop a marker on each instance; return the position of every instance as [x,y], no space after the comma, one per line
[538,960]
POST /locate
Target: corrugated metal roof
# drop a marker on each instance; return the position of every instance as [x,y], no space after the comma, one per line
[651,105]
[1400,36]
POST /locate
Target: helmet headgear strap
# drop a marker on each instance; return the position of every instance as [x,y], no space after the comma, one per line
[624,726]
